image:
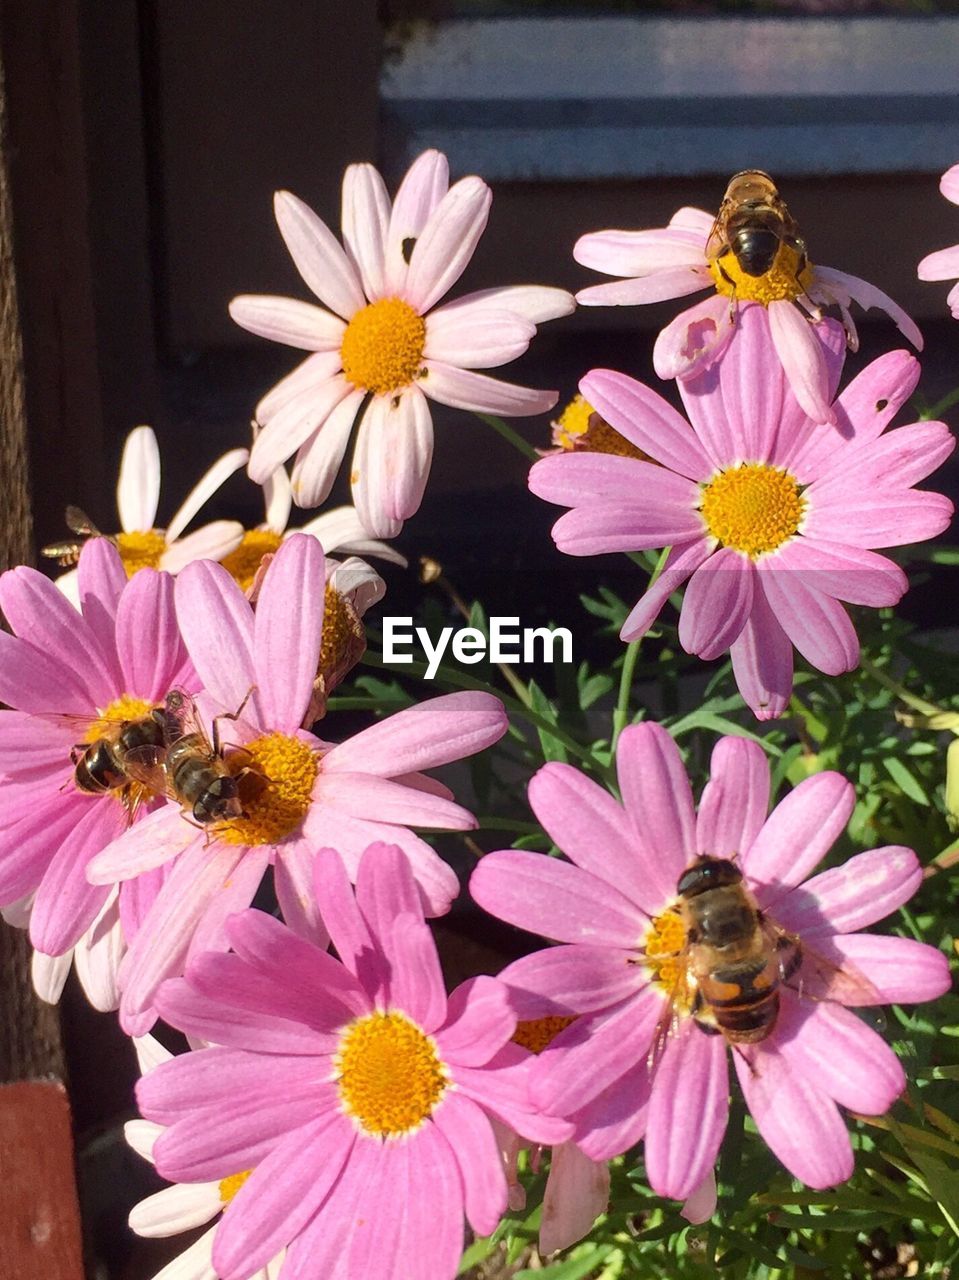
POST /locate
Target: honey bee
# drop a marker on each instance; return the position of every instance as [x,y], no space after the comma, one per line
[753,224]
[67,553]
[735,960]
[102,765]
[190,768]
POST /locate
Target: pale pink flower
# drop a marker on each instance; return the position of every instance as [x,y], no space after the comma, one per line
[671,262]
[348,794]
[379,334]
[356,1170]
[140,544]
[944,263]
[183,1206]
[613,907]
[772,519]
[66,676]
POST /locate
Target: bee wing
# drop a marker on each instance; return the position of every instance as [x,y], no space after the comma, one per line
[79,522]
[814,976]
[183,718]
[717,241]
[146,764]
[669,1022]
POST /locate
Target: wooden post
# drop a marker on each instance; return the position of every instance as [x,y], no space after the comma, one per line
[39,1216]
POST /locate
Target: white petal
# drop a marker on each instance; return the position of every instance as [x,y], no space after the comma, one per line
[141,1135]
[288,429]
[535,302]
[181,1207]
[448,242]
[69,584]
[97,958]
[138,489]
[150,1052]
[476,338]
[277,500]
[464,389]
[357,581]
[288,320]
[341,529]
[319,457]
[17,914]
[367,475]
[210,542]
[843,287]
[49,974]
[314,371]
[424,186]
[196,1263]
[364,220]
[205,488]
[318,255]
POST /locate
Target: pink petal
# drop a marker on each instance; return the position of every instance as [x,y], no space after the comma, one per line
[287,631]
[284,1192]
[573,979]
[290,426]
[615,1119]
[32,748]
[763,662]
[534,302]
[212,933]
[348,928]
[321,1247]
[941,265]
[502,1089]
[735,800]
[468,1131]
[844,573]
[416,981]
[466,389]
[591,828]
[898,970]
[683,1136]
[553,898]
[101,578]
[287,320]
[361,794]
[319,457]
[577,1192]
[437,731]
[899,460]
[872,520]
[797,835]
[846,1059]
[817,624]
[802,359]
[364,221]
[293,882]
[596,529]
[570,479]
[839,284]
[375,1242]
[659,800]
[422,188]
[696,338]
[156,839]
[215,620]
[476,337]
[447,242]
[146,613]
[317,255]
[701,1205]
[683,560]
[594,1053]
[66,903]
[647,421]
[639,253]
[27,845]
[672,282]
[478,1020]
[717,604]
[795,1118]
[866,888]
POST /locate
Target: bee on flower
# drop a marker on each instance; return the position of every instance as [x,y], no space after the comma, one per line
[751,253]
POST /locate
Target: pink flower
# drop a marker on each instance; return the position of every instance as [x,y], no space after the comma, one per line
[944,263]
[68,677]
[318,793]
[359,1094]
[671,262]
[771,518]
[614,907]
[383,337]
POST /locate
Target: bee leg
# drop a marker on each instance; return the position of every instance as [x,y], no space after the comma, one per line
[230,715]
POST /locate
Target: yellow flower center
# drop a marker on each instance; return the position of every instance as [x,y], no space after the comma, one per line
[231,1185]
[753,508]
[243,562]
[126,707]
[783,282]
[538,1034]
[663,946]
[579,427]
[341,632]
[140,550]
[383,346]
[389,1074]
[277,808]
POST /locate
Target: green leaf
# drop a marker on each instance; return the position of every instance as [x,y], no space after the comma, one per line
[575,1268]
[904,779]
[553,748]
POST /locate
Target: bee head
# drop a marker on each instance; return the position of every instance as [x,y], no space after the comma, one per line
[707,873]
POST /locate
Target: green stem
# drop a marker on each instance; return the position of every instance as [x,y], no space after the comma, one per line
[939,409]
[621,713]
[506,431]
[918,704]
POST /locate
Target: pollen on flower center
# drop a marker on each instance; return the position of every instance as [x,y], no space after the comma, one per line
[140,550]
[243,561]
[121,709]
[752,508]
[580,428]
[383,346]
[662,947]
[537,1034]
[231,1185]
[783,282]
[389,1074]
[342,630]
[276,808]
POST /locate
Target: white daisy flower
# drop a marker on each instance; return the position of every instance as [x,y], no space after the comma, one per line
[96,956]
[382,342]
